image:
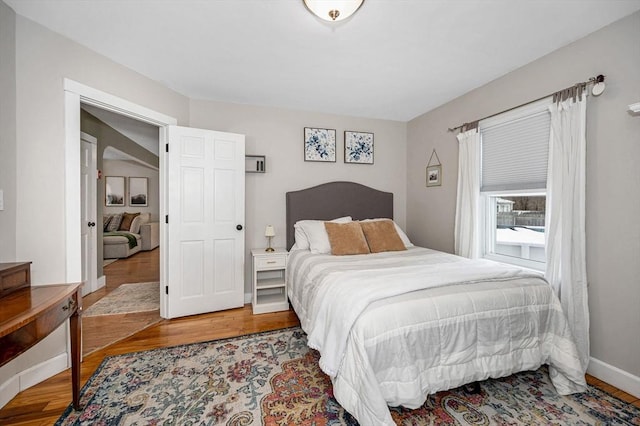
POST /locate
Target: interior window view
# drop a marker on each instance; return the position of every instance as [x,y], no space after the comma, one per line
[319,212]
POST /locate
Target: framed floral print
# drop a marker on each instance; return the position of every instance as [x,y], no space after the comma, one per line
[358,147]
[319,144]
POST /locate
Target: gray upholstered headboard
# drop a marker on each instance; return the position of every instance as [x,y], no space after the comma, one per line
[336,199]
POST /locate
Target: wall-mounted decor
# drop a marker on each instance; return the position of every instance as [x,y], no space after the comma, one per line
[319,144]
[433,175]
[434,170]
[138,191]
[114,191]
[358,147]
[254,163]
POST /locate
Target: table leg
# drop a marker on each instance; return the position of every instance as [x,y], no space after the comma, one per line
[75,322]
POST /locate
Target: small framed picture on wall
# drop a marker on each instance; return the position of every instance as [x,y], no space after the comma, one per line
[138,191]
[434,177]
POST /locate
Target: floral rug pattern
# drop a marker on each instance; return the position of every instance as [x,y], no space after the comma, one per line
[273,378]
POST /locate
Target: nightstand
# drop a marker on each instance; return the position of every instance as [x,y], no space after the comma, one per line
[269,280]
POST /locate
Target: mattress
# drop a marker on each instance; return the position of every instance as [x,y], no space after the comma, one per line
[394,327]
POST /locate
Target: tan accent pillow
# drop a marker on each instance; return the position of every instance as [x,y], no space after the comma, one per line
[382,236]
[127,218]
[346,238]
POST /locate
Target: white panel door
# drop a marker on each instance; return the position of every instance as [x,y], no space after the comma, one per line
[205,205]
[88,190]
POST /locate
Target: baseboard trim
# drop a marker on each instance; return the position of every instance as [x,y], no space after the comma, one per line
[9,389]
[614,376]
[31,376]
[247,298]
[102,281]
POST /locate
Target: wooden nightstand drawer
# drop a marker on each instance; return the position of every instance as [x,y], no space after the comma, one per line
[273,261]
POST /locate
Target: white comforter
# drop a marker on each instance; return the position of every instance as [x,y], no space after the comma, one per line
[394,327]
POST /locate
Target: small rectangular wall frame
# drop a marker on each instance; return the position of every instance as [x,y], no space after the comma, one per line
[254,163]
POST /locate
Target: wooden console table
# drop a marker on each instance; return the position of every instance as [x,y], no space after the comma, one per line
[14,276]
[29,314]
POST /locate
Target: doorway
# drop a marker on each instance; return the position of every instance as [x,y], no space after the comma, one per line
[199,159]
[126,300]
[75,94]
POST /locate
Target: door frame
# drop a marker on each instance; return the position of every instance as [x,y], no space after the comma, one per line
[74,94]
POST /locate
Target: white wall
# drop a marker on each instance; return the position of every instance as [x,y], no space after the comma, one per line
[132,169]
[42,60]
[8,133]
[278,134]
[613,175]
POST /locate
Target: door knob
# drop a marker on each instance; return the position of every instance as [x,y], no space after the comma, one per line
[239,227]
[91,224]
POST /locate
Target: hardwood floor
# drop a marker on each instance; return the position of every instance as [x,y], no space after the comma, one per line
[43,403]
[100,331]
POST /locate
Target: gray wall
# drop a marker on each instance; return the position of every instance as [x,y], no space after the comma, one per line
[42,60]
[278,134]
[8,132]
[613,175]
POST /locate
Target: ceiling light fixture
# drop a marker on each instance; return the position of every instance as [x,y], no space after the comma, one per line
[333,10]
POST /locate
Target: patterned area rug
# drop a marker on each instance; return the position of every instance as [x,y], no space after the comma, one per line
[273,378]
[126,299]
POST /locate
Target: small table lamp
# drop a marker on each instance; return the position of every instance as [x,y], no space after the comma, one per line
[269,233]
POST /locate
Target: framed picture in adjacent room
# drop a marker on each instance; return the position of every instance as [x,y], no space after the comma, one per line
[319,144]
[138,191]
[358,147]
[114,191]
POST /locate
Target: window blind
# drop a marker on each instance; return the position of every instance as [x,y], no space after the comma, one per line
[515,153]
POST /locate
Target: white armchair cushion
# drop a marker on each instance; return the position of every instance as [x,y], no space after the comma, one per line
[137,221]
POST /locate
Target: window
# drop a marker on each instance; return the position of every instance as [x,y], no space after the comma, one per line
[513,184]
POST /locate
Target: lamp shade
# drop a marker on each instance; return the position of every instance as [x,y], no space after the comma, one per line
[269,231]
[333,10]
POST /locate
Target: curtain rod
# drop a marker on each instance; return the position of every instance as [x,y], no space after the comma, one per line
[592,80]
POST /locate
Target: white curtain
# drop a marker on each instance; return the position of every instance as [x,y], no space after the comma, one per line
[467,226]
[565,216]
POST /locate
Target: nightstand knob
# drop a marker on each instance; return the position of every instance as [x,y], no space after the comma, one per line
[239,227]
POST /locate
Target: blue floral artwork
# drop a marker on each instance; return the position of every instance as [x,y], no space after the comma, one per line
[358,147]
[319,144]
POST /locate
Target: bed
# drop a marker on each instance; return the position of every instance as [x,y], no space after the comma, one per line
[393,327]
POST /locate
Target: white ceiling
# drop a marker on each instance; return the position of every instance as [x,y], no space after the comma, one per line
[394,59]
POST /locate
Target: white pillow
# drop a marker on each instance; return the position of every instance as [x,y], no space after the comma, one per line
[301,240]
[312,235]
[400,232]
